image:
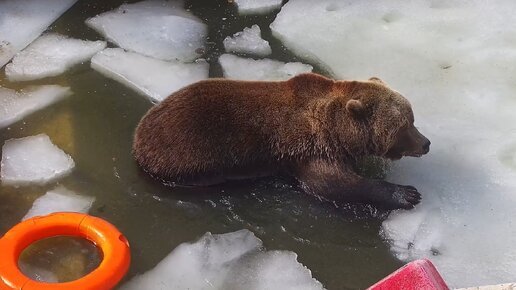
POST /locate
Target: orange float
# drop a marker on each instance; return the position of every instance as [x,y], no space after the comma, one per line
[114,247]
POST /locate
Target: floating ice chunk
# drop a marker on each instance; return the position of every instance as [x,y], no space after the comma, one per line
[271,270]
[416,233]
[14,106]
[60,199]
[227,261]
[33,159]
[248,41]
[435,53]
[50,55]
[240,68]
[23,21]
[257,6]
[156,28]
[152,77]
[200,265]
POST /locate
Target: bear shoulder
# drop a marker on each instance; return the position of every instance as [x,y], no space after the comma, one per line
[311,85]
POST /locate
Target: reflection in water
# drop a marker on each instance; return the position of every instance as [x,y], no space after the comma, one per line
[59,259]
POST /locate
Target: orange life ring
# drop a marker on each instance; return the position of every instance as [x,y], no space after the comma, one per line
[114,247]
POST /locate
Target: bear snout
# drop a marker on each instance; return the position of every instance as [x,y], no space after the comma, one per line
[423,144]
[419,150]
[409,142]
[426,146]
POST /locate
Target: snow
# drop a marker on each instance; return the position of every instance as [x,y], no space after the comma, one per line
[453,61]
[50,55]
[154,78]
[23,21]
[233,260]
[60,199]
[14,106]
[240,68]
[33,159]
[156,28]
[248,41]
[257,7]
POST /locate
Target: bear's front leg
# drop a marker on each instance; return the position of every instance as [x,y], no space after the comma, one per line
[337,182]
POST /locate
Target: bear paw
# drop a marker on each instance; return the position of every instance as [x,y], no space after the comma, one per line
[405,196]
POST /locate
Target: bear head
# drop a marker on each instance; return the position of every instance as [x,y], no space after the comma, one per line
[387,118]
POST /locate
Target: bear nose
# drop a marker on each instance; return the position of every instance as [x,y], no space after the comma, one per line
[426,146]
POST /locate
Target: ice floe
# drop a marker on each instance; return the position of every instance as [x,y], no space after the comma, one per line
[14,106]
[248,41]
[156,28]
[152,77]
[240,68]
[60,199]
[454,61]
[50,55]
[257,6]
[234,260]
[33,159]
[23,21]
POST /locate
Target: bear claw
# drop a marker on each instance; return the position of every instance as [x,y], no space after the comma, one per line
[406,197]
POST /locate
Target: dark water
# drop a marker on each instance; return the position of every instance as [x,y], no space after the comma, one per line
[341,246]
[66,258]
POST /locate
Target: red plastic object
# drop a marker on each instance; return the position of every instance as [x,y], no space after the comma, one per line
[416,275]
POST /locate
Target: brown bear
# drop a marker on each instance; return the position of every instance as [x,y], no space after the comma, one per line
[309,127]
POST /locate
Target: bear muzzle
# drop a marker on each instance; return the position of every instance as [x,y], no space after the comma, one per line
[408,142]
[418,144]
[424,149]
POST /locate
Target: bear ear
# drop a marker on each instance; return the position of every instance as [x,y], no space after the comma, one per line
[378,81]
[355,107]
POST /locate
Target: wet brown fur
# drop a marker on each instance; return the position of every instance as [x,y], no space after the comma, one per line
[217,130]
